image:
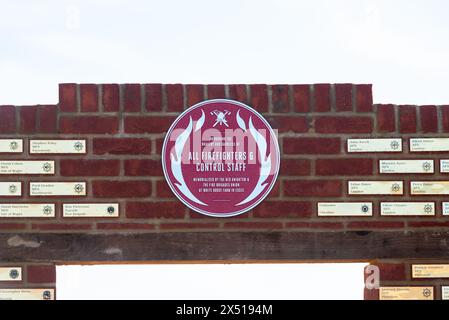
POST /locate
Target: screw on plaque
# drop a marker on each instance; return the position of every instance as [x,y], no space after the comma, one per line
[46,295]
[111,210]
[47,167]
[48,210]
[14,274]
[428,208]
[78,146]
[396,187]
[79,188]
[426,293]
[365,208]
[394,145]
[13,145]
[427,166]
[12,188]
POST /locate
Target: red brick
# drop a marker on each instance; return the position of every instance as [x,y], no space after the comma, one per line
[343,124]
[322,97]
[216,91]
[159,144]
[94,168]
[311,145]
[370,294]
[188,225]
[407,119]
[8,119]
[445,120]
[89,97]
[122,146]
[111,97]
[312,188]
[301,98]
[314,225]
[12,226]
[237,92]
[253,225]
[125,226]
[198,216]
[143,167]
[429,119]
[67,97]
[47,119]
[41,274]
[195,94]
[364,98]
[28,119]
[295,167]
[175,100]
[283,209]
[121,189]
[149,210]
[392,271]
[289,123]
[344,167]
[151,124]
[61,226]
[343,97]
[132,98]
[280,98]
[88,124]
[259,97]
[153,97]
[163,190]
[368,225]
[428,224]
[386,118]
[276,191]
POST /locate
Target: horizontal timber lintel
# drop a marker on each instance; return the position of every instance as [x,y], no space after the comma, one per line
[222,246]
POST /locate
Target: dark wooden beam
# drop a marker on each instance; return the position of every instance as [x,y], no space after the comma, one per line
[231,246]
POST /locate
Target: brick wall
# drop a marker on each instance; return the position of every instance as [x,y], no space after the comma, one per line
[23,276]
[124,126]
[399,273]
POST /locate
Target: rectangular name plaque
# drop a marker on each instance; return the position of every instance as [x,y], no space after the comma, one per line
[429,187]
[90,210]
[27,294]
[57,146]
[10,189]
[57,189]
[444,166]
[429,145]
[11,145]
[375,187]
[374,145]
[345,209]
[426,271]
[445,208]
[406,293]
[11,274]
[445,293]
[26,210]
[406,166]
[27,167]
[407,208]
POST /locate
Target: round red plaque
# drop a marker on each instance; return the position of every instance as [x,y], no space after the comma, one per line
[221,158]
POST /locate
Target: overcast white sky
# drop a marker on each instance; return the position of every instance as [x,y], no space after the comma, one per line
[400,46]
[212,282]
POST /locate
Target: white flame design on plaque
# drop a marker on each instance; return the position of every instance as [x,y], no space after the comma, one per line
[176,163]
[265,168]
